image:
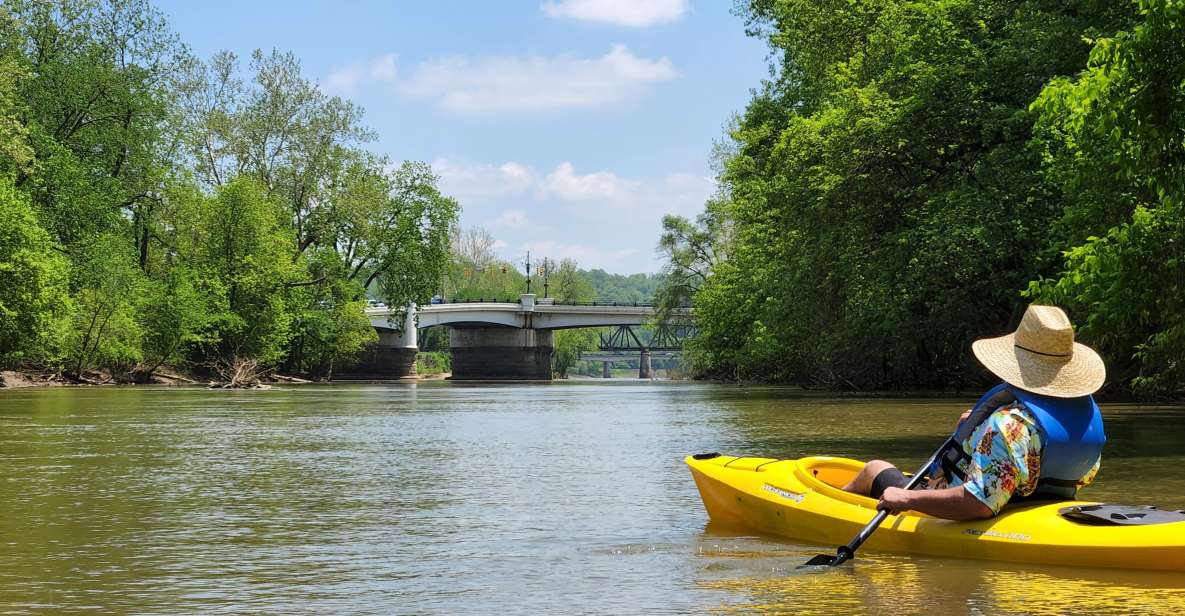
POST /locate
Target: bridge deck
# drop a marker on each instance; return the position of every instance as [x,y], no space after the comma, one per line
[525,314]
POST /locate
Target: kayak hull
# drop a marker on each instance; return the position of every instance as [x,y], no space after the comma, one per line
[799,499]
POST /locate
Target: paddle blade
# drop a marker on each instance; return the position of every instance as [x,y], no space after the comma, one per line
[822,560]
[842,555]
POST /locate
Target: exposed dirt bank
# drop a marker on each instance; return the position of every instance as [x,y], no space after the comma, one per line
[14,379]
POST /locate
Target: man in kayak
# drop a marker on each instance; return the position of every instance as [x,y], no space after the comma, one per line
[1039,433]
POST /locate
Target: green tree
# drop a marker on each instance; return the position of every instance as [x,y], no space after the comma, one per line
[881,205]
[415,246]
[33,280]
[1116,147]
[640,288]
[103,332]
[16,154]
[389,224]
[331,326]
[692,251]
[475,272]
[252,219]
[569,344]
[242,243]
[97,98]
[570,286]
[175,313]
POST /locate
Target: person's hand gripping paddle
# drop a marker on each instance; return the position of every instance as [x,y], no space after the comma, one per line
[845,553]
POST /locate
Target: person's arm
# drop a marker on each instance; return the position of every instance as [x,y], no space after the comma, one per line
[949,503]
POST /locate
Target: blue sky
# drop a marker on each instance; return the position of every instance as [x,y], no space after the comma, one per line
[567,127]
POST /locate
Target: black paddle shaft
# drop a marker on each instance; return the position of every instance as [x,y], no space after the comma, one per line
[845,553]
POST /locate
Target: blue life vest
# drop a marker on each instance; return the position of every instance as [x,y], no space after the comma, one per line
[1071,436]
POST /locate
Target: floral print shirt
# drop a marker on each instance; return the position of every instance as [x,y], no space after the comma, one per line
[1005,457]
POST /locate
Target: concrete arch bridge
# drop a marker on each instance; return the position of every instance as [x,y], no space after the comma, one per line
[490,340]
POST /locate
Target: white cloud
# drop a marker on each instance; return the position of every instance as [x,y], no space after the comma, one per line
[535,83]
[383,68]
[599,218]
[476,183]
[682,193]
[676,193]
[634,13]
[510,219]
[565,184]
[588,257]
[345,81]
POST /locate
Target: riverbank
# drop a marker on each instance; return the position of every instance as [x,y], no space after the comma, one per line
[17,379]
[20,379]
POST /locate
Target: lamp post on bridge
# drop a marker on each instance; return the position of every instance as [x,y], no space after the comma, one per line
[543,270]
[528,272]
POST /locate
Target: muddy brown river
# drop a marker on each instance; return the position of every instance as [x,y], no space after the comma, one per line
[442,498]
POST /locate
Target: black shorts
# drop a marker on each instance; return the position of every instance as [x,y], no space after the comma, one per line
[888,478]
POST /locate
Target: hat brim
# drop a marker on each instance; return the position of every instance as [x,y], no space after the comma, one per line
[1083,374]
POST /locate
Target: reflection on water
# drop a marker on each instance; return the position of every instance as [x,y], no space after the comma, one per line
[441,498]
[878,583]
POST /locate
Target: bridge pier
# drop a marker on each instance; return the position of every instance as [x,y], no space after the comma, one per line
[644,370]
[501,353]
[607,371]
[392,357]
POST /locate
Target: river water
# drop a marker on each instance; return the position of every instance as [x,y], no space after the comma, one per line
[441,498]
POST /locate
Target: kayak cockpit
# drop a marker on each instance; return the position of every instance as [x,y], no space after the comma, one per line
[827,475]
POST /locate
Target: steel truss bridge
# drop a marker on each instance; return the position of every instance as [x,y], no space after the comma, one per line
[628,343]
[664,337]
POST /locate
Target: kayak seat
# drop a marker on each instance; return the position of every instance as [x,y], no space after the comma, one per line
[1120,515]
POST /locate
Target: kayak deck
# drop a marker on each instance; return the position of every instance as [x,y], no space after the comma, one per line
[802,499]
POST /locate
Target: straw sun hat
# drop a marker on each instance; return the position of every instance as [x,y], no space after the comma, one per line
[1042,357]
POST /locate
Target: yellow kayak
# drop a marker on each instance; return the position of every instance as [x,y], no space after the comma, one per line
[803,499]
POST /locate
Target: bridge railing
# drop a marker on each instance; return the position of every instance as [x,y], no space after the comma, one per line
[478,300]
[481,300]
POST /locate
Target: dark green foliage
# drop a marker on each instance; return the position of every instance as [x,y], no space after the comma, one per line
[1114,139]
[882,205]
[569,344]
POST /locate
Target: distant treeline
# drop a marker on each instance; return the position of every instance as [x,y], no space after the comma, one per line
[914,173]
[158,208]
